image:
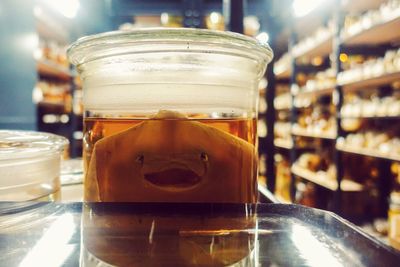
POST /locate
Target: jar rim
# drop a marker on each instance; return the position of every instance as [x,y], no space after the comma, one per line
[106,44]
[20,144]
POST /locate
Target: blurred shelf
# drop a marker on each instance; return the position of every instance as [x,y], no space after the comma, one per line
[283,101]
[305,133]
[360,6]
[384,32]
[322,91]
[52,103]
[322,48]
[286,144]
[367,152]
[371,117]
[52,69]
[282,73]
[304,107]
[49,27]
[372,82]
[324,181]
[282,67]
[265,193]
[287,108]
[282,200]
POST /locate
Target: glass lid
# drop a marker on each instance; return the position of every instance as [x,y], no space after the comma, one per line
[17,144]
[168,39]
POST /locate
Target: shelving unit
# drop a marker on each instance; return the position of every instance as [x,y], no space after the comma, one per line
[371,82]
[385,31]
[282,73]
[368,153]
[286,144]
[322,48]
[325,181]
[48,27]
[282,109]
[265,193]
[337,46]
[282,200]
[282,68]
[305,133]
[375,117]
[317,92]
[56,114]
[52,69]
[381,34]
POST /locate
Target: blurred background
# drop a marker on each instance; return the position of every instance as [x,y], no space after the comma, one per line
[329,134]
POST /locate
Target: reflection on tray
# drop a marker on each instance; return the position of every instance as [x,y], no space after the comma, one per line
[159,240]
[144,234]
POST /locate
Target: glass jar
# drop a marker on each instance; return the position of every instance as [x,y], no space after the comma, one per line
[170,115]
[394,220]
[30,165]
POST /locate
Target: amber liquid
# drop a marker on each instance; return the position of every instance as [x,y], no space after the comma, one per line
[181,160]
[121,237]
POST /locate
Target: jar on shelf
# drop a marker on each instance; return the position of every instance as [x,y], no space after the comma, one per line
[394,219]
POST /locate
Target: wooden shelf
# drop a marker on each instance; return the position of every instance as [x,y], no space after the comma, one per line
[372,82]
[286,144]
[367,152]
[324,181]
[52,103]
[282,200]
[323,48]
[282,67]
[52,69]
[282,74]
[381,33]
[282,108]
[304,107]
[322,91]
[371,117]
[262,189]
[312,135]
[360,6]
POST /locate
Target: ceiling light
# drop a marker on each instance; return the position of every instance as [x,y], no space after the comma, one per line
[304,7]
[68,8]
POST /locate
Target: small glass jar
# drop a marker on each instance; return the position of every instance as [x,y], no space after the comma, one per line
[394,220]
[30,165]
[170,115]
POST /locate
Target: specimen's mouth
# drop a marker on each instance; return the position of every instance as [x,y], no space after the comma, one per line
[173,178]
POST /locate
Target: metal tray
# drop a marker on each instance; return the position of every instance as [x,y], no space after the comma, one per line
[145,234]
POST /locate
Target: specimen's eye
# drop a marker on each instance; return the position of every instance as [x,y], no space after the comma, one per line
[140,159]
[204,156]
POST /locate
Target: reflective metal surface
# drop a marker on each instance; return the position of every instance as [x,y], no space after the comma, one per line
[106,234]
